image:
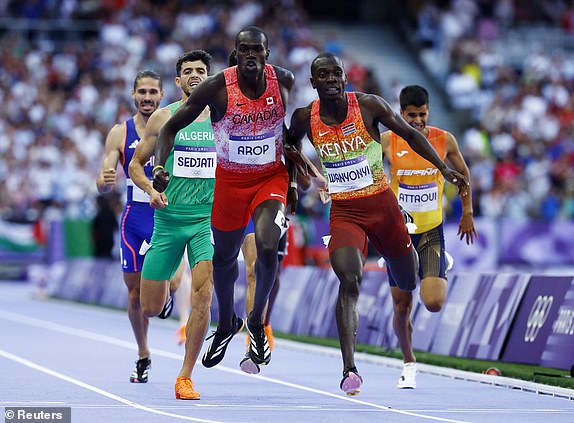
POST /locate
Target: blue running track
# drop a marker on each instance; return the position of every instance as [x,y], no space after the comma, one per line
[56,353]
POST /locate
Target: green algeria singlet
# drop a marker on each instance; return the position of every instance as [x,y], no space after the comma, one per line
[191,164]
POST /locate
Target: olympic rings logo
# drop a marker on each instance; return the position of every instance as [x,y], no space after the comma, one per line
[537,317]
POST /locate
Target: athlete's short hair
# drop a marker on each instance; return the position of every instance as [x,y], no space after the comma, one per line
[148,73]
[326,55]
[191,56]
[413,95]
[256,30]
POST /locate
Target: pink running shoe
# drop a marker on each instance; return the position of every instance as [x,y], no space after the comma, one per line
[351,383]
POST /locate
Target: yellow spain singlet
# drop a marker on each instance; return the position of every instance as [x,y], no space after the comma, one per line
[416,182]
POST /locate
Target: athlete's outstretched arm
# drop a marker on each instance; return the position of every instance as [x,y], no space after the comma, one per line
[454,157]
[384,114]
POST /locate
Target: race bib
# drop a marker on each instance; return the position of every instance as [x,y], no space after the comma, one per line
[418,198]
[252,149]
[138,194]
[194,161]
[349,175]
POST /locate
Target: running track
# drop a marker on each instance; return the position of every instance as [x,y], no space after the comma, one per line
[56,353]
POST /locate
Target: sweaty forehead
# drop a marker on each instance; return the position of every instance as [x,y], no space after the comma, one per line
[250,38]
[147,83]
[326,63]
[416,109]
[193,65]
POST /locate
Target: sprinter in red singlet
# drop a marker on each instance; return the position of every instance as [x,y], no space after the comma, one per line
[344,129]
[247,104]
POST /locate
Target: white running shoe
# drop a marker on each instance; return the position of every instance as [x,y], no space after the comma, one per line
[408,379]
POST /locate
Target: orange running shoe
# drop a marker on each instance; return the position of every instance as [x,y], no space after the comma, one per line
[184,389]
[181,336]
[269,334]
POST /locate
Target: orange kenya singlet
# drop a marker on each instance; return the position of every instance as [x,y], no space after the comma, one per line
[352,161]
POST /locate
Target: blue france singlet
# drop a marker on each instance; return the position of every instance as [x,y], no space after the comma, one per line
[131,141]
[136,225]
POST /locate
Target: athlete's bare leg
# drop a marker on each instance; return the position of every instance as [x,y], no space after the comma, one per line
[273,294]
[267,218]
[348,264]
[225,272]
[402,306]
[202,288]
[137,319]
[249,251]
[153,296]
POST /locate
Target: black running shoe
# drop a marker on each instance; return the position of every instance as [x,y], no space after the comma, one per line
[139,375]
[167,308]
[221,340]
[259,350]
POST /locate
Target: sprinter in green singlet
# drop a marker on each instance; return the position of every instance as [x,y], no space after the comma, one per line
[182,214]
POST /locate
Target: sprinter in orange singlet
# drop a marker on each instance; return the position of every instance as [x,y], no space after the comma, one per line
[247,104]
[343,127]
[418,186]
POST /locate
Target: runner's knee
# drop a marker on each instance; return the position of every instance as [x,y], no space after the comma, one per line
[266,252]
[134,295]
[201,293]
[151,309]
[402,305]
[433,293]
[350,283]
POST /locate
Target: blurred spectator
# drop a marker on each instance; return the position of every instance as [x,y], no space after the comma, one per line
[518,92]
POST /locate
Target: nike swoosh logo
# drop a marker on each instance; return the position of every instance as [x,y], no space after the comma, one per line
[323,133]
[409,244]
[240,104]
[402,153]
[275,195]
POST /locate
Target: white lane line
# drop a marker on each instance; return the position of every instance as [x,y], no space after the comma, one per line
[114,397]
[500,381]
[22,319]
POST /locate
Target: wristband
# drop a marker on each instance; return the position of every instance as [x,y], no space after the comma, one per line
[293,185]
[156,168]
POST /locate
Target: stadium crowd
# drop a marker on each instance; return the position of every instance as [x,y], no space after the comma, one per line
[508,63]
[60,97]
